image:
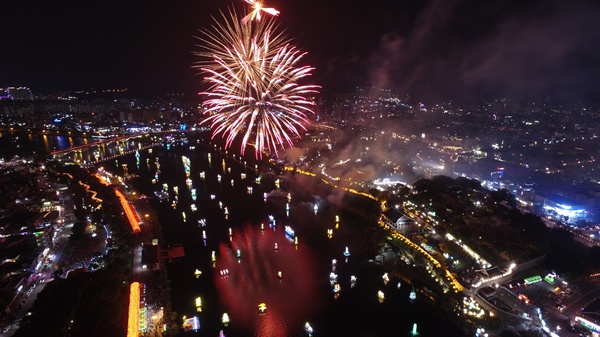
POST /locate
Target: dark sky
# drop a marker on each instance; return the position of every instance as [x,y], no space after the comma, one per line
[431,50]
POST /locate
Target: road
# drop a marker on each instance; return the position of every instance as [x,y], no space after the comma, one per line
[68,218]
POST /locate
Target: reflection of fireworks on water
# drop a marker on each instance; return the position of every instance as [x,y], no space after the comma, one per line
[253,279]
[253,77]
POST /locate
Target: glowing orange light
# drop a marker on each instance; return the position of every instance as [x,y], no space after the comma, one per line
[133,323]
[134,219]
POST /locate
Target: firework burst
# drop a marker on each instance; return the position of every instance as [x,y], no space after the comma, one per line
[257,7]
[253,74]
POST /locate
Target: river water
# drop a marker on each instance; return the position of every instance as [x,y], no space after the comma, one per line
[304,293]
[238,282]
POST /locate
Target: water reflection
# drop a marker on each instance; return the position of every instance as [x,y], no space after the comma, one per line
[304,292]
[253,279]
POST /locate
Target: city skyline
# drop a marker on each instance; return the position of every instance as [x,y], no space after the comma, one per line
[432,51]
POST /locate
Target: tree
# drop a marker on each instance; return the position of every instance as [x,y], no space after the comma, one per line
[77,231]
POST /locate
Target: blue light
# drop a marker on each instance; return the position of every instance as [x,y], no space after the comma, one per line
[289,232]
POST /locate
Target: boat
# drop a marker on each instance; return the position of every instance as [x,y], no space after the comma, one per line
[380,296]
[386,278]
[347,252]
[262,308]
[225,318]
[309,330]
[276,247]
[413,294]
[279,275]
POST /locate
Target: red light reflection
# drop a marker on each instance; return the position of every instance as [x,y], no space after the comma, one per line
[254,280]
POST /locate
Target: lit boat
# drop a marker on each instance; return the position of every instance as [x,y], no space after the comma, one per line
[279,275]
[347,252]
[386,278]
[380,296]
[289,232]
[262,308]
[308,329]
[413,295]
[225,319]
[276,247]
[337,288]
[198,304]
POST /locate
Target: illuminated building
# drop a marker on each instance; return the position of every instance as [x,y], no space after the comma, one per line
[399,221]
[564,209]
[366,103]
[589,318]
[14,93]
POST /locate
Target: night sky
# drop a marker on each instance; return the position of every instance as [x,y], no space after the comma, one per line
[432,50]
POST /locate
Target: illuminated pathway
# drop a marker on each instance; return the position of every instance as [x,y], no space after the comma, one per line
[132,216]
[351,190]
[453,281]
[133,321]
[87,189]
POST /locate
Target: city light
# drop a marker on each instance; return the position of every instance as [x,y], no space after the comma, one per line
[133,322]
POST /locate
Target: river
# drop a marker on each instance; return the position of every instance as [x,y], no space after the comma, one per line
[236,283]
